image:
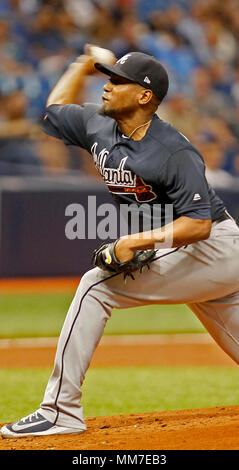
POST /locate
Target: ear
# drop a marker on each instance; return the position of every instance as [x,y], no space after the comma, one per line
[145,96]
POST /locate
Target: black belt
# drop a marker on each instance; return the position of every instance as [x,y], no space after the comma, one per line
[225,216]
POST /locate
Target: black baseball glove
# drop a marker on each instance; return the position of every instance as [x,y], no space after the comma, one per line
[105,258]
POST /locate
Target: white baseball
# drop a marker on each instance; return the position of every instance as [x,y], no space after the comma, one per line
[102,55]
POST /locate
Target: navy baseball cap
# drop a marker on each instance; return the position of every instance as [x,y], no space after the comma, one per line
[142,69]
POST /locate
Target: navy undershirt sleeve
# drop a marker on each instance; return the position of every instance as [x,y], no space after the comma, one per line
[186,185]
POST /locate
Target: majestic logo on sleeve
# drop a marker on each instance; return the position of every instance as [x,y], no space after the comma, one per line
[122,181]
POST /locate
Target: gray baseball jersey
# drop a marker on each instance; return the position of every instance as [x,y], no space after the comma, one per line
[162,167]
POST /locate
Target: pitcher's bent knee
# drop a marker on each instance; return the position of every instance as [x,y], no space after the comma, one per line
[91,277]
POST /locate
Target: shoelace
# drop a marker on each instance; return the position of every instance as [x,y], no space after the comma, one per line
[30,417]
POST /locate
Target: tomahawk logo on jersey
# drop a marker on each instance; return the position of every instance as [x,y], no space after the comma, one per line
[122,181]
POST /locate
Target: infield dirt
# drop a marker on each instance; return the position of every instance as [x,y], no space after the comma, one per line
[201,429]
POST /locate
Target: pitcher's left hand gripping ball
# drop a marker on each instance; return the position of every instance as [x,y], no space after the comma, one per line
[105,258]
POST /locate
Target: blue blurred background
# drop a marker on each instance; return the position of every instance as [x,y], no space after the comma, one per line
[197,41]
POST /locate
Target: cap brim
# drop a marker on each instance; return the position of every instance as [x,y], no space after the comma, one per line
[111,70]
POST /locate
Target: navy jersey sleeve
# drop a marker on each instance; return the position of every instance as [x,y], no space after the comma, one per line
[186,185]
[69,122]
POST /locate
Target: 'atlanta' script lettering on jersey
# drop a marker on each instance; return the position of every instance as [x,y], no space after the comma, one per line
[119,180]
[118,176]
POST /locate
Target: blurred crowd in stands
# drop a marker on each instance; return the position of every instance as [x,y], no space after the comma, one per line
[196,40]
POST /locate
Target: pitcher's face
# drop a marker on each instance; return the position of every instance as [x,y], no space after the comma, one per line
[120,97]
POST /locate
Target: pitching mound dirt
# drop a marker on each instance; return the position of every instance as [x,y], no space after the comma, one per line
[201,429]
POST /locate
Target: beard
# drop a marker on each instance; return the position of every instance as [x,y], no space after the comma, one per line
[106,112]
[117,114]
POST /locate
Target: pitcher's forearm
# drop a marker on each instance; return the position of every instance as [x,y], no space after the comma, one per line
[67,88]
[182,231]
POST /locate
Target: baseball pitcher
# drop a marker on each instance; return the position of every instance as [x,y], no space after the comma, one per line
[193,260]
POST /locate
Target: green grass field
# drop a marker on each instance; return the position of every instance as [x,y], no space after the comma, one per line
[112,391]
[108,391]
[42,314]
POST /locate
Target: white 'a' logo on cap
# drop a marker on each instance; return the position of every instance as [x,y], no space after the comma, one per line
[123,59]
[147,80]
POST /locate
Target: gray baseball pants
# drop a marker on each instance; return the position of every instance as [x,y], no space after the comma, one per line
[204,275]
